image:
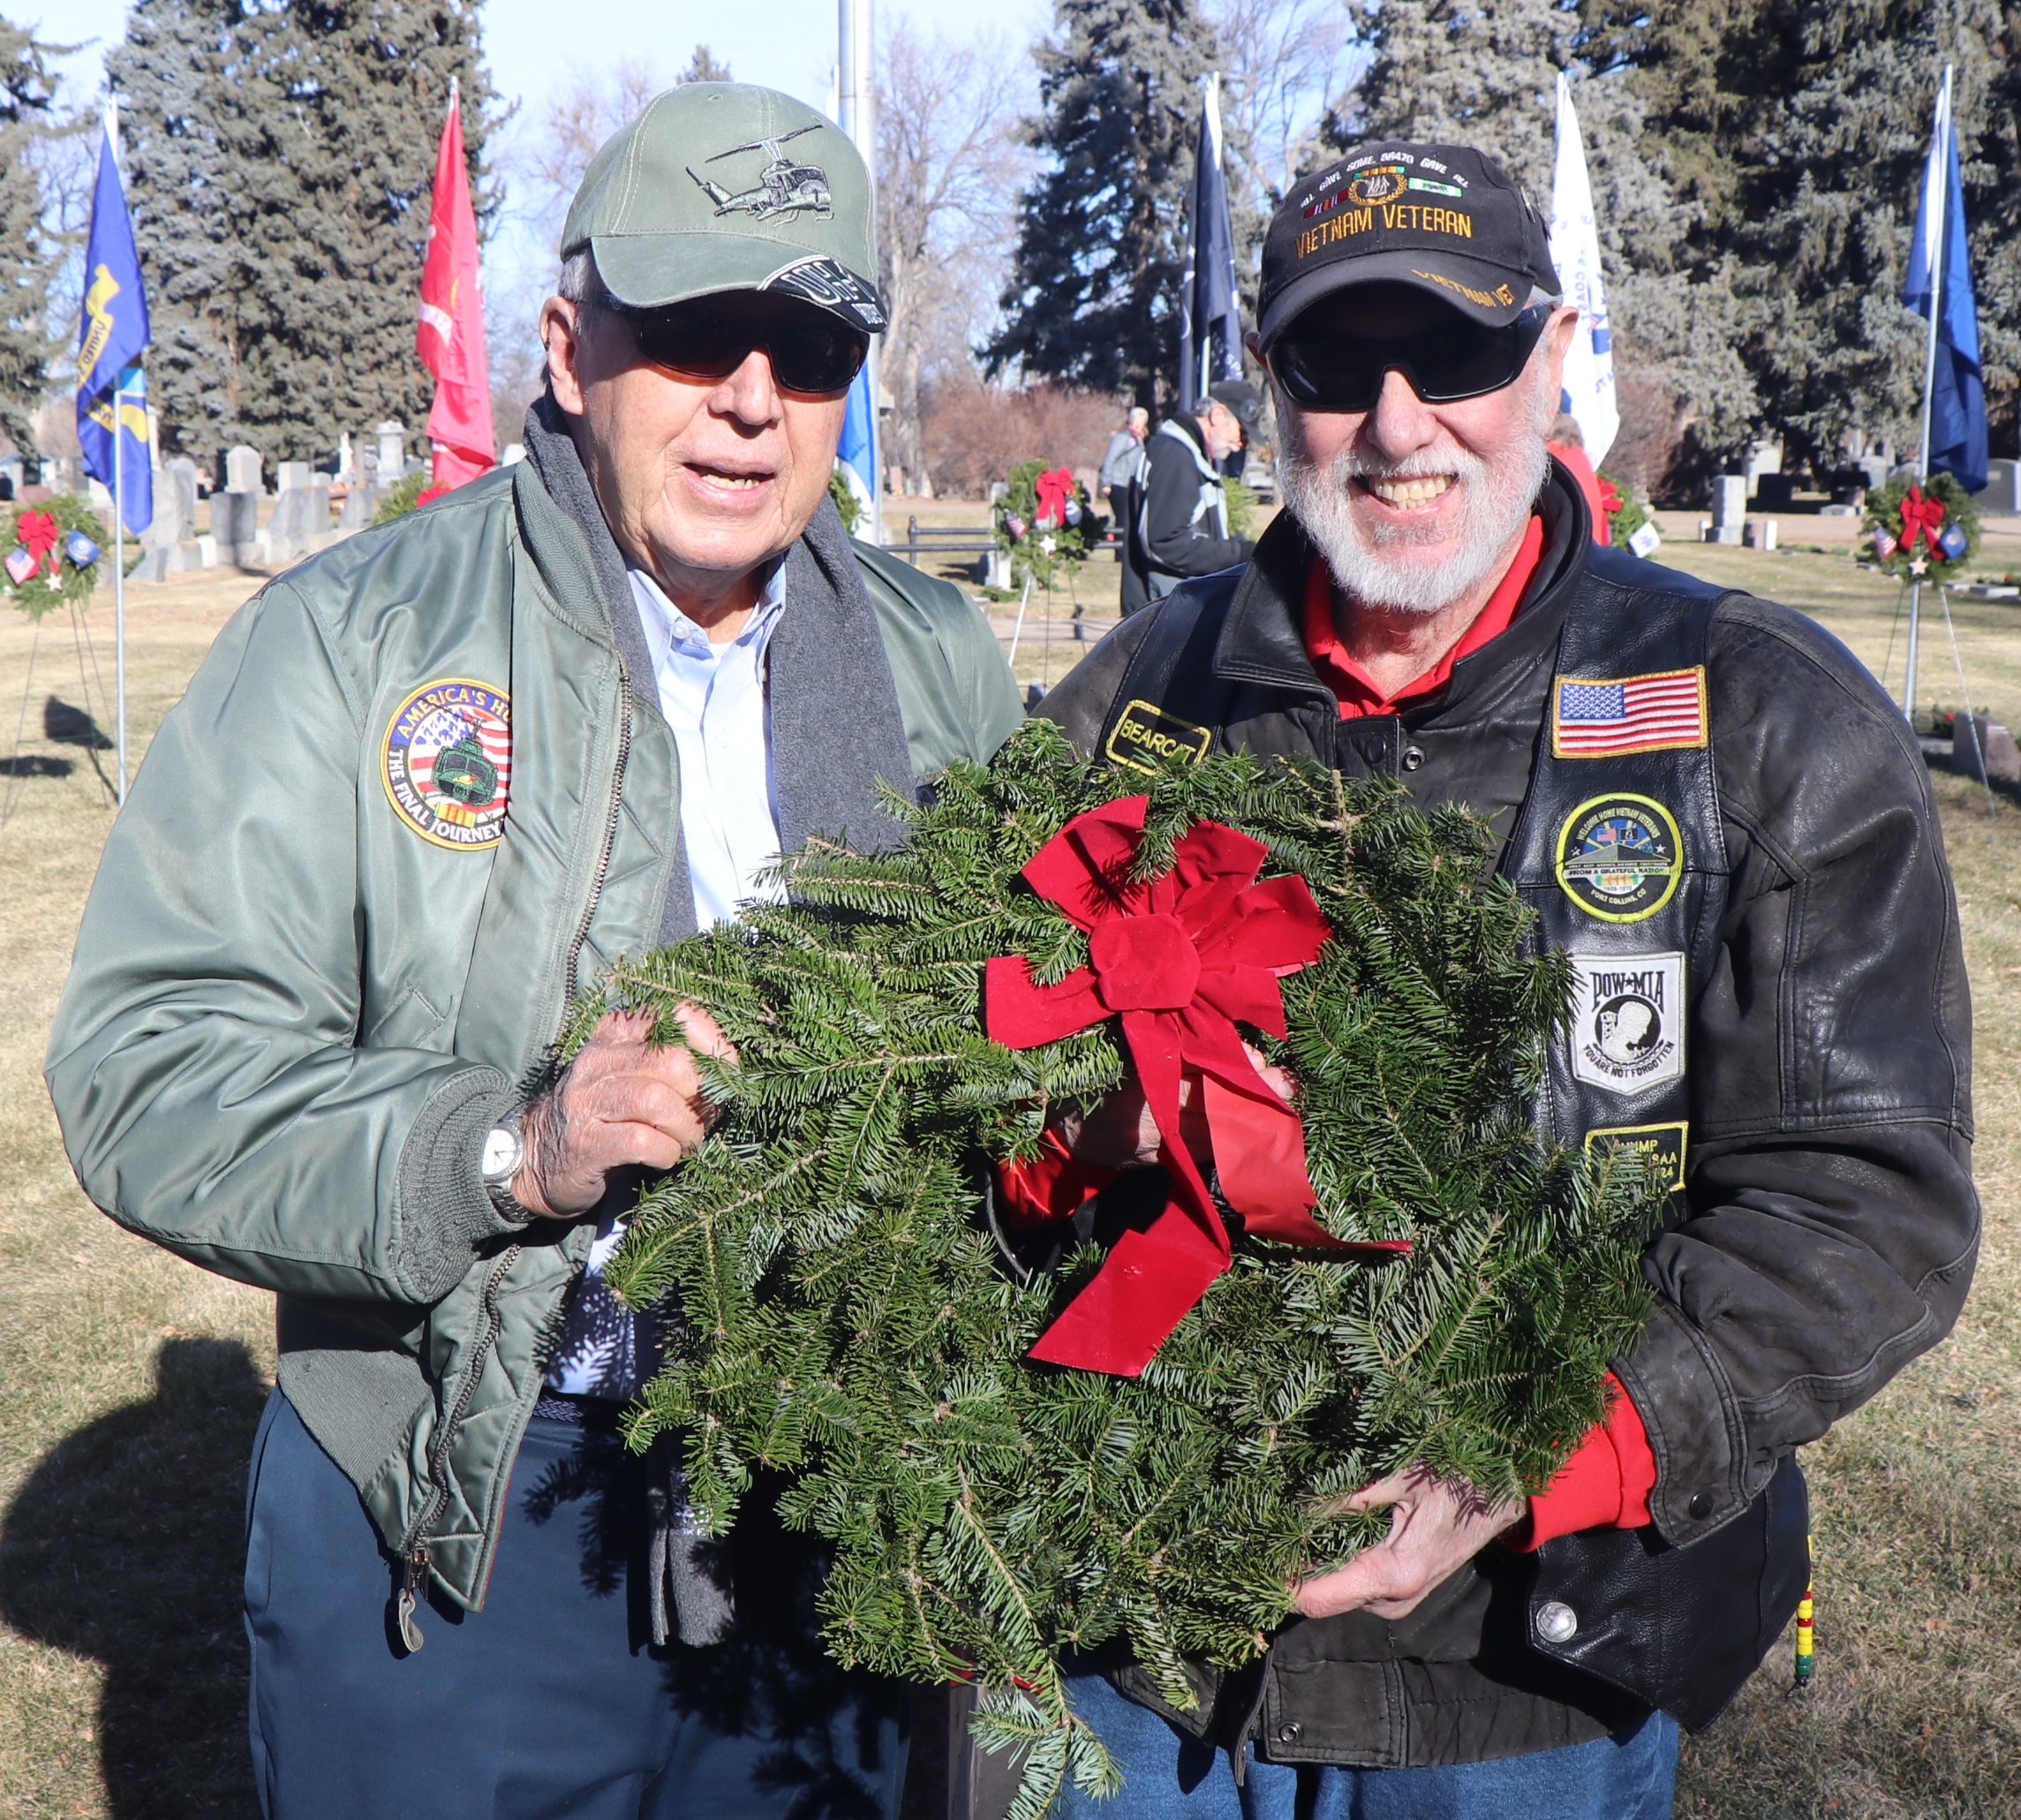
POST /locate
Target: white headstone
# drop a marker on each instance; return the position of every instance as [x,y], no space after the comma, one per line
[1729,507]
[392,452]
[290,475]
[344,468]
[175,519]
[2001,493]
[241,470]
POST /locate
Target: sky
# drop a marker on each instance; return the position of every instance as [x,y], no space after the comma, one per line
[788,44]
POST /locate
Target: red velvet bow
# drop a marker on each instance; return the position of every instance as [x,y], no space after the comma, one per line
[1921,517]
[1054,489]
[1179,958]
[38,534]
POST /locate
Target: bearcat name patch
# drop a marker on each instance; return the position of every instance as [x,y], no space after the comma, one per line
[1146,735]
[447,760]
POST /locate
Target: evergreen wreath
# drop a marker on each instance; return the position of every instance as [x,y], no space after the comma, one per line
[850,1314]
[1041,551]
[55,534]
[1884,515]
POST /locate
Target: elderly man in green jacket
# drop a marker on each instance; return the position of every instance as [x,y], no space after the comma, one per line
[422,787]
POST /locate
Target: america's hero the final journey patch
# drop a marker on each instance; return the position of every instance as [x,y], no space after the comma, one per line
[447,760]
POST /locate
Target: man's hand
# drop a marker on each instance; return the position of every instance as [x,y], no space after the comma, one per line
[1121,1133]
[622,1101]
[1436,1528]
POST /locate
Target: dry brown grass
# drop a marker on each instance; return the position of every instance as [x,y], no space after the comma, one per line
[134,1381]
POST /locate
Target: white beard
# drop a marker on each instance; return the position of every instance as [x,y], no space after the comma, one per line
[1419,568]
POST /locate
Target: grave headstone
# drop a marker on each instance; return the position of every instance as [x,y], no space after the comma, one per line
[1997,755]
[241,470]
[346,469]
[392,453]
[175,519]
[1729,507]
[358,506]
[235,523]
[291,474]
[2001,493]
[301,520]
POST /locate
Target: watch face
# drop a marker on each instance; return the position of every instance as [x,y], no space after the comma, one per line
[501,1152]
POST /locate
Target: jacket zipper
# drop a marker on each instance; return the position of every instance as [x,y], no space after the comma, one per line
[610,834]
[417,1556]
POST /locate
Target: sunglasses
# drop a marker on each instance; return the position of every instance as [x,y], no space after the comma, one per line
[809,350]
[1443,364]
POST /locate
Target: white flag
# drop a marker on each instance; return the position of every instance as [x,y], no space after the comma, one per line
[1575,251]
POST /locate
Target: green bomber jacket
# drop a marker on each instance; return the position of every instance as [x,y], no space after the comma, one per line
[293,1016]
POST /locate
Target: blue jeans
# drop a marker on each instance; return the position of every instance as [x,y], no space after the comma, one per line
[545,1703]
[1631,1776]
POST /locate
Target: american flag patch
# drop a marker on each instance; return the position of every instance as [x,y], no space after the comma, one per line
[1602,719]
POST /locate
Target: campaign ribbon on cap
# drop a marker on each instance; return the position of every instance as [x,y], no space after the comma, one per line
[1176,959]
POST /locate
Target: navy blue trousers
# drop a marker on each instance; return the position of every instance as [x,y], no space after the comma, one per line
[546,1702]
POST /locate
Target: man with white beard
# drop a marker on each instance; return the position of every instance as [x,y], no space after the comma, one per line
[1720,818]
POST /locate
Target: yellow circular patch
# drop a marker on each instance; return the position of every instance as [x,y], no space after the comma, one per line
[447,761]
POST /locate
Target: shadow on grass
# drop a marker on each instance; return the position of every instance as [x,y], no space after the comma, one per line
[127,1545]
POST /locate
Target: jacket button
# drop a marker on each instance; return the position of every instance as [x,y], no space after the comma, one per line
[1557,1623]
[1414,755]
[1700,1507]
[1285,1733]
[1376,750]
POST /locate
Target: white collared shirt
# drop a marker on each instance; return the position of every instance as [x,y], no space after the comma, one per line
[714,701]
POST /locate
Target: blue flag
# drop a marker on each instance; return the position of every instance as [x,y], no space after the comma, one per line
[857,450]
[1939,249]
[1209,327]
[109,342]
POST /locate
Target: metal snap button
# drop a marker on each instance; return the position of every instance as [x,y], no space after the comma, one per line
[1376,751]
[1285,1733]
[1557,1623]
[1701,1505]
[1414,755]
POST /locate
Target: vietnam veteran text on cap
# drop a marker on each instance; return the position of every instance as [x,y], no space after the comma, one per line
[1443,219]
[726,186]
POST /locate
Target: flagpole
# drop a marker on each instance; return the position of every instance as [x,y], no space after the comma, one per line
[118,523]
[1941,163]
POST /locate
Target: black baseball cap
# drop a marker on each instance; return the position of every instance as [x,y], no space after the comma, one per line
[1243,398]
[1446,220]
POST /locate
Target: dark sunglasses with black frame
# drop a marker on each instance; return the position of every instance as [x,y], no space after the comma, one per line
[1458,359]
[708,337]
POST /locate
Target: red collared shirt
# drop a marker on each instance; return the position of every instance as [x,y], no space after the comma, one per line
[1357,692]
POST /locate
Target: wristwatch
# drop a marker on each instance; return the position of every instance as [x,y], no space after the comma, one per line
[504,1149]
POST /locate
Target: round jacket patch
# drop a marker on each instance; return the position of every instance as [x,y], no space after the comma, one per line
[1620,857]
[447,760]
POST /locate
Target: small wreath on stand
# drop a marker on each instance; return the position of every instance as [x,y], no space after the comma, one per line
[1042,522]
[1922,529]
[53,551]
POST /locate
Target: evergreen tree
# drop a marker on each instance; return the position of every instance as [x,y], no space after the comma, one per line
[280,168]
[1828,200]
[28,119]
[1094,287]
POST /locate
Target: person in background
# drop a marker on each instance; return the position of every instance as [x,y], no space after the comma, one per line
[1567,441]
[1177,522]
[1247,402]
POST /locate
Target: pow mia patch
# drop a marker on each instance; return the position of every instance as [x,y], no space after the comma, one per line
[1620,857]
[1663,1144]
[1146,735]
[1627,1020]
[447,760]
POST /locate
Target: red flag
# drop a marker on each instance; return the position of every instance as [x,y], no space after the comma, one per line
[450,333]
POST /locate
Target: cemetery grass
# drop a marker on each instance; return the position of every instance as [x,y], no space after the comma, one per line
[133,1382]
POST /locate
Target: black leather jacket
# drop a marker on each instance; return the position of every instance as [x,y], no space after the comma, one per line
[1829,1226]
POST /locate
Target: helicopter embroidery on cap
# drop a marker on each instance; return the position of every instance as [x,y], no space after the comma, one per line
[783,188]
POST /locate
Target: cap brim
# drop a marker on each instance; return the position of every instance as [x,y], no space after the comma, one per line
[1489,294]
[646,271]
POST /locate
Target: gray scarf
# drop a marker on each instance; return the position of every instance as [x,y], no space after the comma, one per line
[836,729]
[836,733]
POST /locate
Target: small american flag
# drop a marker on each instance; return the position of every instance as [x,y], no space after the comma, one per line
[1600,719]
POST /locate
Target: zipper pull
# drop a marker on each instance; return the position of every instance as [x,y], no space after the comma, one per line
[409,1598]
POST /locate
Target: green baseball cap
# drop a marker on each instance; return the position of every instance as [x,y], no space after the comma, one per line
[726,186]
